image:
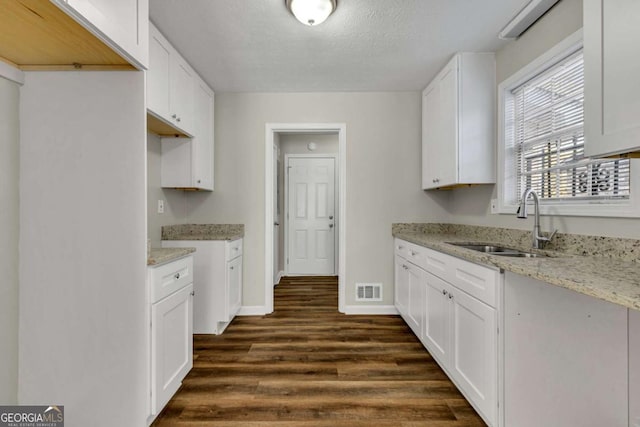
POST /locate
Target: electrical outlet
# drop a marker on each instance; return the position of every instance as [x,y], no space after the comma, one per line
[160,206]
[494,206]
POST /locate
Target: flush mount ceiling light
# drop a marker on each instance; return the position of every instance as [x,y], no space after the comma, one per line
[311,12]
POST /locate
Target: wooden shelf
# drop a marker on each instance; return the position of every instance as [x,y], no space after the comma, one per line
[37,35]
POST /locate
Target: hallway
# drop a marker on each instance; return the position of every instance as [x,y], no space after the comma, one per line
[308,365]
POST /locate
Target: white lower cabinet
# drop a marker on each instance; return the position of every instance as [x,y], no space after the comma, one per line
[565,357]
[217,282]
[474,345]
[172,345]
[409,294]
[171,295]
[437,325]
[458,329]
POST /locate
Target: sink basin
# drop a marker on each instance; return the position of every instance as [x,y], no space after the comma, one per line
[496,250]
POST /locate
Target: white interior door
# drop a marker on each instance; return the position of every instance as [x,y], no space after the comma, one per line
[311,215]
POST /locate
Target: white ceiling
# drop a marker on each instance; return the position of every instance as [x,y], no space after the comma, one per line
[366,45]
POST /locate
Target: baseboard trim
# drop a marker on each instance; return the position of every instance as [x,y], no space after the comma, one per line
[371,309]
[279,276]
[252,310]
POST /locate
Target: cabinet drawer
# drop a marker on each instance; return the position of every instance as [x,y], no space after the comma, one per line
[476,280]
[400,248]
[411,252]
[168,278]
[437,263]
[234,249]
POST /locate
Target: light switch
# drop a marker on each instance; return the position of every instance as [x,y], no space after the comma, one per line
[160,206]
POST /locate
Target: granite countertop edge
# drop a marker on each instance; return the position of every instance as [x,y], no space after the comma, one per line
[615,281]
[159,256]
[201,236]
[203,232]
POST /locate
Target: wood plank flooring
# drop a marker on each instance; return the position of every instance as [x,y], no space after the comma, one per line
[306,365]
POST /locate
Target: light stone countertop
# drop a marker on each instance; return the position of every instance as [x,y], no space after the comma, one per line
[203,232]
[163,255]
[611,279]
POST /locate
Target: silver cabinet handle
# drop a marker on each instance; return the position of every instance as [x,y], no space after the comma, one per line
[414,253]
[232,267]
[177,275]
[330,216]
[330,225]
[444,292]
[174,116]
[450,296]
[178,119]
[276,223]
[401,247]
[193,293]
[199,181]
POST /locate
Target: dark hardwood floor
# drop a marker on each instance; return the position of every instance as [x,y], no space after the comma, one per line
[306,365]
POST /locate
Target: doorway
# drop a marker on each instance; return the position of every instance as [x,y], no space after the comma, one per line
[272,137]
[310,219]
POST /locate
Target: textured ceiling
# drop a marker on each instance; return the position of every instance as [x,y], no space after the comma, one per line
[366,45]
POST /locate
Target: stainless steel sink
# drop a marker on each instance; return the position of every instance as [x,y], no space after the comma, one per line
[496,250]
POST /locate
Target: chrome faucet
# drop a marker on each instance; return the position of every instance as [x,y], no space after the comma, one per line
[537,241]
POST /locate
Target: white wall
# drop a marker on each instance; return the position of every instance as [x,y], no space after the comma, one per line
[175,201]
[83,330]
[9,227]
[383,175]
[472,205]
[295,143]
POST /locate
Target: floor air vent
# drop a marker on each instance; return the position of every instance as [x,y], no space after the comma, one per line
[368,291]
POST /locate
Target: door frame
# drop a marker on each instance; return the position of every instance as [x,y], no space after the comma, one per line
[336,249]
[321,128]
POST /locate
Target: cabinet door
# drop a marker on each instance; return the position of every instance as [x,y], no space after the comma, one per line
[181,81]
[202,151]
[401,285]
[123,24]
[430,135]
[415,304]
[437,318]
[171,345]
[447,148]
[158,74]
[440,129]
[565,357]
[234,287]
[612,86]
[474,352]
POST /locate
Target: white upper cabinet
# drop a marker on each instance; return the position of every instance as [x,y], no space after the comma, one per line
[170,82]
[203,141]
[612,86]
[187,163]
[121,24]
[458,123]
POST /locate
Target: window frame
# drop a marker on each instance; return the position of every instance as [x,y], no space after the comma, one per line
[506,179]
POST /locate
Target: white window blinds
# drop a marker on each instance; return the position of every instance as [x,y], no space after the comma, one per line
[545,139]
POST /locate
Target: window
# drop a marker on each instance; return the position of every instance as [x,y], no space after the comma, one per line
[542,140]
